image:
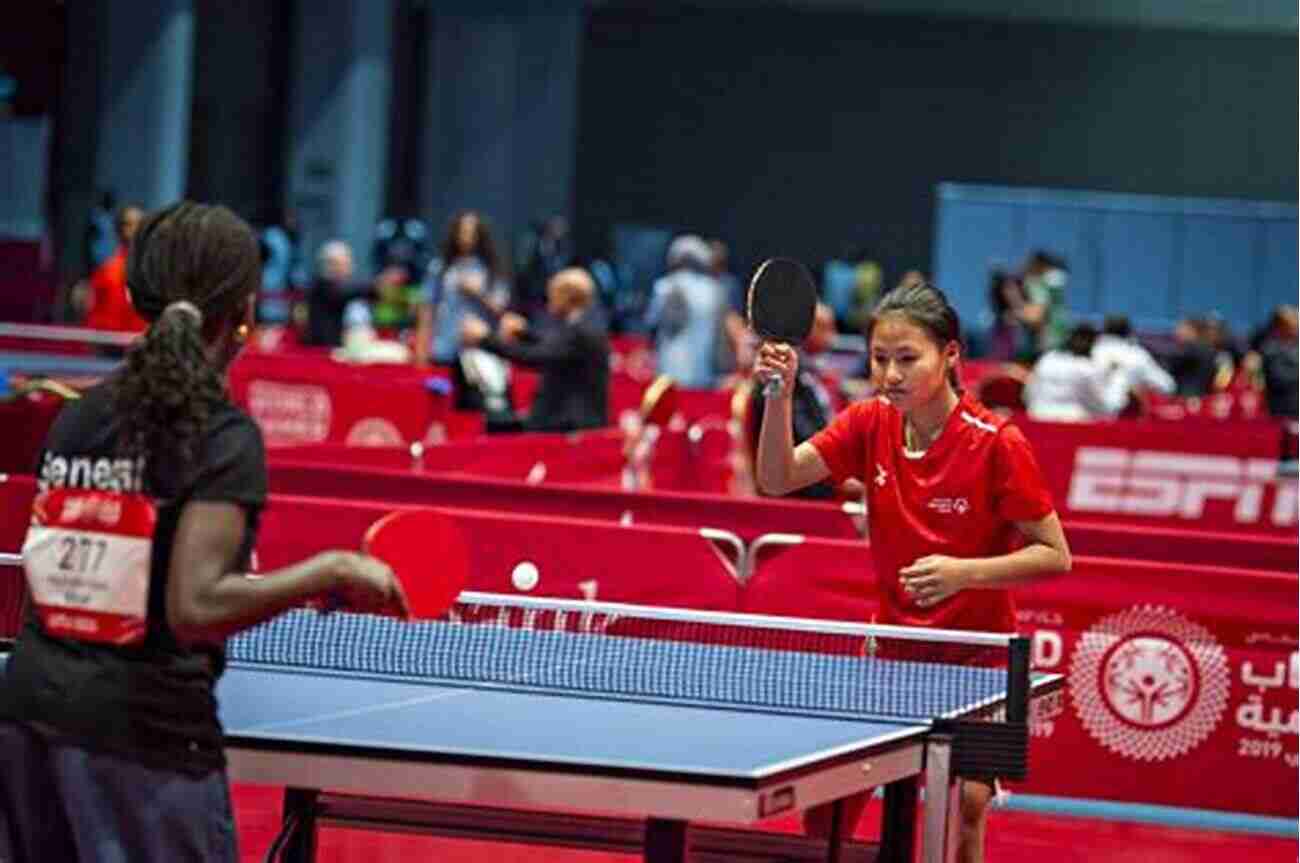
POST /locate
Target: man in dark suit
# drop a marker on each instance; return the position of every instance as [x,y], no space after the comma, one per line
[571,351]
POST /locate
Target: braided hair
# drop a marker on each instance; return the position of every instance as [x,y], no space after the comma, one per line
[191,270]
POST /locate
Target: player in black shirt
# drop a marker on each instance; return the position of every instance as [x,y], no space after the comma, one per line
[110,748]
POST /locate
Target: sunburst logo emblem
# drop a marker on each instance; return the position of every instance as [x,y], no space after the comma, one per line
[1149,684]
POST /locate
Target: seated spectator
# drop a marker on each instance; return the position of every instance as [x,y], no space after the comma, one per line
[1118,353]
[686,314]
[110,302]
[330,293]
[1277,359]
[1067,385]
[572,353]
[811,407]
[1194,362]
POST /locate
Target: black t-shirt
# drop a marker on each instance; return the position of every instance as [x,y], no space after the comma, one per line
[153,701]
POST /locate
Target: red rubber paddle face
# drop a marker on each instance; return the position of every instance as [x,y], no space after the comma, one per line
[427,551]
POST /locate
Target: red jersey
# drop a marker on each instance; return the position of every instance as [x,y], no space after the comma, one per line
[959,498]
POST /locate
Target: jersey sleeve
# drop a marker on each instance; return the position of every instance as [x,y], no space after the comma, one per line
[843,444]
[234,464]
[1019,491]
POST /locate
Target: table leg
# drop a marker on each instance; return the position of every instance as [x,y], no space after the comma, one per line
[665,841]
[833,841]
[898,822]
[942,812]
[300,806]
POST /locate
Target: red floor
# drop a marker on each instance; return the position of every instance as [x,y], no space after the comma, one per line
[1014,837]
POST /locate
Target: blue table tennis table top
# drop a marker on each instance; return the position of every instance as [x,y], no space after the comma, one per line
[296,708]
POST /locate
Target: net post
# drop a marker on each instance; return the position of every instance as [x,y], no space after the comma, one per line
[1018,654]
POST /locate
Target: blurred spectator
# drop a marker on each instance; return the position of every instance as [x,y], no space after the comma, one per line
[571,351]
[867,279]
[397,299]
[1227,352]
[1277,359]
[686,313]
[1067,385]
[1045,278]
[1118,353]
[733,340]
[546,249]
[110,303]
[283,270]
[720,265]
[330,293]
[402,244]
[839,279]
[1010,333]
[1194,361]
[811,407]
[101,238]
[466,277]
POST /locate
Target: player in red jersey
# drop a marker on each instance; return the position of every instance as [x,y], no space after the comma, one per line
[957,508]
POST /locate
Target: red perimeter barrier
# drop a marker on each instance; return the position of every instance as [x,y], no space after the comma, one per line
[1182,679]
[320,473]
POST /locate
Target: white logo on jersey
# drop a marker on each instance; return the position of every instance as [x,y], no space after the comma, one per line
[949,505]
[881,476]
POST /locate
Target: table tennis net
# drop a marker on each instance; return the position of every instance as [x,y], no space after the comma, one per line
[749,662]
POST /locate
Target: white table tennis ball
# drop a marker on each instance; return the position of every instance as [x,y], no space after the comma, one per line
[525,575]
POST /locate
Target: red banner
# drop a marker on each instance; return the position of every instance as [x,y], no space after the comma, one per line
[1181,686]
[306,397]
[1202,473]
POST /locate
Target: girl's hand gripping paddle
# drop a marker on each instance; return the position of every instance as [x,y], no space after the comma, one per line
[781,305]
[427,552]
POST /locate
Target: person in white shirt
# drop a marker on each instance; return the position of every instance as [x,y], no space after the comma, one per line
[1068,385]
[1118,353]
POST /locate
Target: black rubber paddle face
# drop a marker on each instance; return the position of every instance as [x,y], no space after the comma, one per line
[782,301]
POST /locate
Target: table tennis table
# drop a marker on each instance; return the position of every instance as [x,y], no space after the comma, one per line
[504,733]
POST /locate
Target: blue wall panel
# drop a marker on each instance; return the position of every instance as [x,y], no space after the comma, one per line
[983,236]
[1070,233]
[1218,270]
[1154,258]
[1279,265]
[1137,265]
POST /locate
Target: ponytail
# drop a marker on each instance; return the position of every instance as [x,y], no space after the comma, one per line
[167,388]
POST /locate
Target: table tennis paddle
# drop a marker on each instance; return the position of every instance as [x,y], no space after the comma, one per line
[427,552]
[659,401]
[781,304]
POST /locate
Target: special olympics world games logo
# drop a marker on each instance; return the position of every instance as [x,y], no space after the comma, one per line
[1148,683]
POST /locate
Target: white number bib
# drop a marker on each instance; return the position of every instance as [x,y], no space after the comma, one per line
[87,556]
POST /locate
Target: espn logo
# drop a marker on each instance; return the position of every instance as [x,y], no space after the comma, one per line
[1154,482]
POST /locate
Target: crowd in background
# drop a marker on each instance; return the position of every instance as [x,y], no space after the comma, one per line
[460,301]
